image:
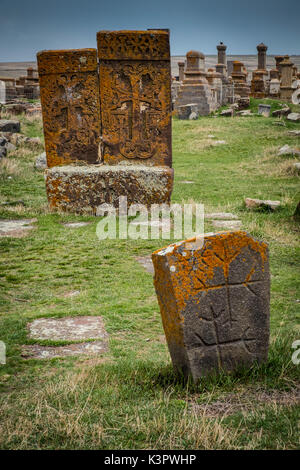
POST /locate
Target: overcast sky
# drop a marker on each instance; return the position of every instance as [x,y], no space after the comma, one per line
[28,26]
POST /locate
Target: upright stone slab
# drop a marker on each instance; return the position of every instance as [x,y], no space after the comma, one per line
[70,104]
[135,93]
[195,87]
[2,92]
[214,302]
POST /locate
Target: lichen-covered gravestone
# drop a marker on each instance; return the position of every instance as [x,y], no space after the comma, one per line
[214,302]
[116,121]
[70,104]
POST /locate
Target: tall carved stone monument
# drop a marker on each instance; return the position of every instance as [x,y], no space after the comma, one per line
[195,88]
[214,302]
[70,105]
[108,133]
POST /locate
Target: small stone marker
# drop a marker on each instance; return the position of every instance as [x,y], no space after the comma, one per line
[214,302]
[293,117]
[261,203]
[264,109]
[221,216]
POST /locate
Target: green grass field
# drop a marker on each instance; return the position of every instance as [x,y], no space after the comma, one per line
[130,398]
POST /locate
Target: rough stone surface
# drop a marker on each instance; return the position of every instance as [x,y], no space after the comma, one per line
[70,104]
[293,117]
[184,111]
[16,228]
[227,113]
[41,162]
[229,224]
[221,216]
[264,109]
[135,92]
[263,204]
[294,133]
[9,126]
[84,188]
[75,224]
[36,351]
[281,112]
[287,150]
[67,329]
[146,262]
[214,302]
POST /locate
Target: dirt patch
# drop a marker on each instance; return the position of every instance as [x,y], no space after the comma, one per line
[245,402]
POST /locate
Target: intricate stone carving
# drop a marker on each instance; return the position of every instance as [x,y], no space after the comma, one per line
[135,91]
[70,105]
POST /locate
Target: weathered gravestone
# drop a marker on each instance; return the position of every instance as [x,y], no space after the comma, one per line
[2,92]
[70,105]
[134,93]
[214,302]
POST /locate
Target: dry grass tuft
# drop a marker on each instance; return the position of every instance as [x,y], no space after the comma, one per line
[9,166]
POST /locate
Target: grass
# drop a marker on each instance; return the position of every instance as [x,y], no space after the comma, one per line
[130,398]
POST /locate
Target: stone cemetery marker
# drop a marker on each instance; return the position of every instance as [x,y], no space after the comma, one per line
[135,91]
[2,92]
[70,104]
[214,302]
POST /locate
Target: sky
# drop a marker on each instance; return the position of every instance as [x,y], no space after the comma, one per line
[28,26]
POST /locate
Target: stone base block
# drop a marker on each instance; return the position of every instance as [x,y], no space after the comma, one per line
[82,189]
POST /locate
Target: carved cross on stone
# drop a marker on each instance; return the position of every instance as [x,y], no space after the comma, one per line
[214,302]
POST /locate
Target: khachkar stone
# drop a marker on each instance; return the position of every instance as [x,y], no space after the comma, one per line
[214,302]
[239,79]
[286,89]
[135,151]
[135,94]
[195,88]
[70,105]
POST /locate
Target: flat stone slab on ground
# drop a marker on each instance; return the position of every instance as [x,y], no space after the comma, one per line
[187,182]
[67,329]
[146,262]
[262,203]
[295,117]
[229,224]
[75,224]
[296,133]
[15,228]
[35,351]
[287,150]
[221,216]
[214,301]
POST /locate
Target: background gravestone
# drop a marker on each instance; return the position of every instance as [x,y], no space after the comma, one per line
[2,92]
[70,105]
[214,302]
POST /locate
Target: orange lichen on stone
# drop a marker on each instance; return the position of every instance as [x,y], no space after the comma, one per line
[135,93]
[197,285]
[70,105]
